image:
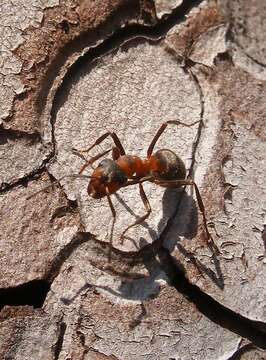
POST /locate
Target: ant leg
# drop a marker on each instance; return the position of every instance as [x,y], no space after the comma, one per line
[179,183]
[135,181]
[142,218]
[113,224]
[102,138]
[115,153]
[115,156]
[92,160]
[161,130]
[210,240]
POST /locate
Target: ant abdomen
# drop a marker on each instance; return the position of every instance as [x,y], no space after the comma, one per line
[170,166]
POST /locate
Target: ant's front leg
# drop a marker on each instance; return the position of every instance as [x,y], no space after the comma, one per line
[115,156]
[117,151]
[113,223]
[92,160]
[102,138]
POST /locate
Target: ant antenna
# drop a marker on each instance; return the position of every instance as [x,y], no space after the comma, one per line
[58,182]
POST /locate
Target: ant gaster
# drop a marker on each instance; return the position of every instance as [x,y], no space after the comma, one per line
[163,168]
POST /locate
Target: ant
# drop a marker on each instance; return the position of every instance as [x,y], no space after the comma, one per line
[163,168]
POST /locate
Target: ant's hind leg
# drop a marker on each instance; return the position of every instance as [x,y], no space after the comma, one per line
[142,218]
[178,183]
[210,240]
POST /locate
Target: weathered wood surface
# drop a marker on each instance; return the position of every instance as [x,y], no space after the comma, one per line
[71,71]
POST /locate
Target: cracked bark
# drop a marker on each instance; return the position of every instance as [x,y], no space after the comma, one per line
[69,73]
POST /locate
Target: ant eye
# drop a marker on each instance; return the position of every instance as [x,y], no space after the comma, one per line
[104,178]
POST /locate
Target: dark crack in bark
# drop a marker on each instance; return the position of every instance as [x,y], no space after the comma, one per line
[32,293]
[13,135]
[253,330]
[197,140]
[60,340]
[241,351]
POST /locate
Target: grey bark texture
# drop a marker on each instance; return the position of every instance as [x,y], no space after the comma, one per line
[71,71]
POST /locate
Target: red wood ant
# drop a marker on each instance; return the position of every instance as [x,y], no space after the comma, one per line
[163,168]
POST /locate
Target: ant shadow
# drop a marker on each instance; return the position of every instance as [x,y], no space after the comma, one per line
[180,218]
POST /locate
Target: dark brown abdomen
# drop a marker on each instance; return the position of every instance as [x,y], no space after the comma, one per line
[173,167]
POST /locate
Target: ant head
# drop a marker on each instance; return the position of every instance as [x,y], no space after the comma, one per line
[107,175]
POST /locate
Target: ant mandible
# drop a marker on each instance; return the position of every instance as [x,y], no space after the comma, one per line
[163,168]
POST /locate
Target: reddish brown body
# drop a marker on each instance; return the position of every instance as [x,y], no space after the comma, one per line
[163,168]
[111,175]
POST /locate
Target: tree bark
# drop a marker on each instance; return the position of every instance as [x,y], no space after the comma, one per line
[74,70]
